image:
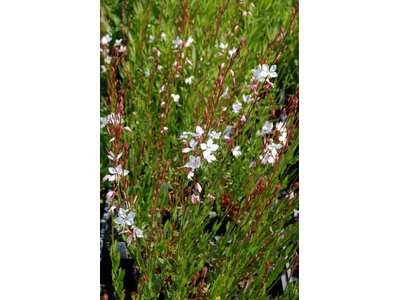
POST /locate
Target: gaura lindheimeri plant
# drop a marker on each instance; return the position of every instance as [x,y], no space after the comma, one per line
[199,144]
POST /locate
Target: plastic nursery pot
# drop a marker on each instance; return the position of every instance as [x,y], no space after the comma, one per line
[130,284]
[126,263]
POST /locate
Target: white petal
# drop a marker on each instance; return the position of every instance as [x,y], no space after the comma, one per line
[112,170]
[119,220]
[119,169]
[131,215]
[129,240]
[207,153]
[273,68]
[203,146]
[138,232]
[122,212]
[186,150]
[112,178]
[126,172]
[274,74]
[199,130]
[214,147]
[192,143]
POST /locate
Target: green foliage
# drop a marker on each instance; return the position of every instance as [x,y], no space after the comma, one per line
[249,211]
[116,272]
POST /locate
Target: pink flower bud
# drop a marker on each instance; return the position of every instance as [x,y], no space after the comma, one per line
[245,14]
[151,58]
[134,200]
[127,128]
[243,119]
[162,104]
[250,13]
[231,72]
[251,4]
[236,27]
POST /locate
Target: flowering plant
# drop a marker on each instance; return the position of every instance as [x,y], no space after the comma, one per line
[199,136]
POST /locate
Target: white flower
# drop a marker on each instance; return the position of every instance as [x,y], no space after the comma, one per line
[114,118]
[103,69]
[266,128]
[146,73]
[190,175]
[111,156]
[272,145]
[163,36]
[215,135]
[222,46]
[236,107]
[177,42]
[280,126]
[165,128]
[283,137]
[195,198]
[257,74]
[192,145]
[106,39]
[189,79]
[107,60]
[104,121]
[247,98]
[184,135]
[123,220]
[208,148]
[225,92]
[270,156]
[189,42]
[162,89]
[159,68]
[117,173]
[122,48]
[194,162]
[151,39]
[199,132]
[176,97]
[137,232]
[236,151]
[230,52]
[117,42]
[266,72]
[105,51]
[296,213]
[209,157]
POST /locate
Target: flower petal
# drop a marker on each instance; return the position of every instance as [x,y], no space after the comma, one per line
[138,232]
[131,215]
[119,220]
